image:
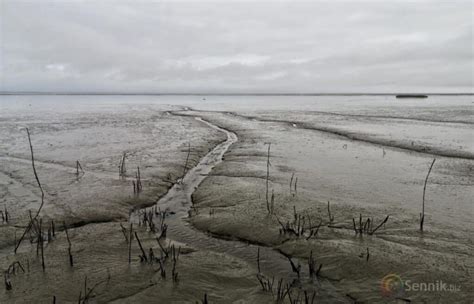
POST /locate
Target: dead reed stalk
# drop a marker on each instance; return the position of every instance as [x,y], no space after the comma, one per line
[422,214]
[130,237]
[71,259]
[78,167]
[258,260]
[41,243]
[267,198]
[299,227]
[124,232]
[143,257]
[313,272]
[122,169]
[88,291]
[185,168]
[366,227]
[30,224]
[137,183]
[5,215]
[331,217]
[296,268]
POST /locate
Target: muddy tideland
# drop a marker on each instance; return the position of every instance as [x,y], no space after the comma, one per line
[236,199]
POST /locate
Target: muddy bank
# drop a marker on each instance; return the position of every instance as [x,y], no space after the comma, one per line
[157,142]
[101,254]
[359,180]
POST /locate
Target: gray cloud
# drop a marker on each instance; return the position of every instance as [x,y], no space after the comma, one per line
[320,46]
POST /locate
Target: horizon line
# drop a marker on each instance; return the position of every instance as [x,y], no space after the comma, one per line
[232,93]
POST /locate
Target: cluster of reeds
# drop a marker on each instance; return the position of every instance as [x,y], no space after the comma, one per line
[302,297]
[280,290]
[300,226]
[166,253]
[267,283]
[147,218]
[367,225]
[36,235]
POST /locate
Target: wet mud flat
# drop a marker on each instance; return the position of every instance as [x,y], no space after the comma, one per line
[96,203]
[340,184]
[217,216]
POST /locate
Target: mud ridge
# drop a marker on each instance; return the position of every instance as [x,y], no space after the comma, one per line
[359,137]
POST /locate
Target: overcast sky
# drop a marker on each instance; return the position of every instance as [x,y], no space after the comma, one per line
[246,46]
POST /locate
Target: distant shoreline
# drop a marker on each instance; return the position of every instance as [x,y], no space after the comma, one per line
[229,94]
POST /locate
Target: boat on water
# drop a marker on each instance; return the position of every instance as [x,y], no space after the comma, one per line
[411,96]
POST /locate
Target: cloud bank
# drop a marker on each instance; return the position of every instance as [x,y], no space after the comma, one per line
[246,46]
